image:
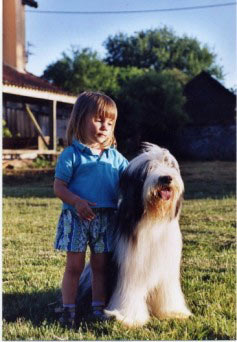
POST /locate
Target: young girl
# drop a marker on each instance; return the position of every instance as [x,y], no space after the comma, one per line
[86,180]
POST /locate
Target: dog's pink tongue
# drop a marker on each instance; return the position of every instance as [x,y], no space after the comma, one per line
[165,194]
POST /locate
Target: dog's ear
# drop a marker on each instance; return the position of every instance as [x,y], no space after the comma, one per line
[179,205]
[131,207]
[170,160]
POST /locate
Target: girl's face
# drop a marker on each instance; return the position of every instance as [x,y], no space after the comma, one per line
[98,129]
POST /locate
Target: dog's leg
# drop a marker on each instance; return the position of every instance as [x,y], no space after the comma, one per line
[128,302]
[167,301]
[128,305]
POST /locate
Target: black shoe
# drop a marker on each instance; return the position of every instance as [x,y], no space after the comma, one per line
[67,320]
[98,314]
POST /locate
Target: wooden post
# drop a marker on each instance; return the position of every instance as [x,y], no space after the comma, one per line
[32,117]
[53,125]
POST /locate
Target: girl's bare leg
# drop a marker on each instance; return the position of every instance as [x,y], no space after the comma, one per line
[74,267]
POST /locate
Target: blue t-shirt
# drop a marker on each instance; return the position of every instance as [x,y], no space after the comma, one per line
[92,177]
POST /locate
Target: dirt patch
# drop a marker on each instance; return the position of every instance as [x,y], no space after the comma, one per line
[16,164]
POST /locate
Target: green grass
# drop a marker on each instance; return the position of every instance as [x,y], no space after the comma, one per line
[32,270]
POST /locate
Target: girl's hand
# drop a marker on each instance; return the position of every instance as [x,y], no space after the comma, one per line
[82,206]
[84,210]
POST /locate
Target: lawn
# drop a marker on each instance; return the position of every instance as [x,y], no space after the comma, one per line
[32,270]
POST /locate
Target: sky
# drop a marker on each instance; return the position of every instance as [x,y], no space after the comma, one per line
[51,34]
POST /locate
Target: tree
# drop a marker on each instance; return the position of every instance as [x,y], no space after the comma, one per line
[150,109]
[161,49]
[81,70]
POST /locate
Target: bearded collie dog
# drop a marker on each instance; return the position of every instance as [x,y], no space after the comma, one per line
[144,275]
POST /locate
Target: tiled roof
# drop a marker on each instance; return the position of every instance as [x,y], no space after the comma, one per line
[27,80]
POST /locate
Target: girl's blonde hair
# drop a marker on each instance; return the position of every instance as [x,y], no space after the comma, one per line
[94,104]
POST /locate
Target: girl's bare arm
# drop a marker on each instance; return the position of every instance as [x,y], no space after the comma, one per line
[82,206]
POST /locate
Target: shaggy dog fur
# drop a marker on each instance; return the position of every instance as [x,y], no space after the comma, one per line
[144,275]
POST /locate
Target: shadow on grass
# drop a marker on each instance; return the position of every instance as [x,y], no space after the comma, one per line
[207,189]
[29,183]
[35,307]
[214,180]
[39,307]
[28,191]
[193,191]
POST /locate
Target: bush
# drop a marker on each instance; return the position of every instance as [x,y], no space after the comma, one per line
[5,130]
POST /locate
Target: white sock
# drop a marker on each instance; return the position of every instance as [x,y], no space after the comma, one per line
[72,308]
[96,303]
[97,306]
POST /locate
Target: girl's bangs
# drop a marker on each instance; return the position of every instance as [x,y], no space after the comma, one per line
[106,110]
[107,115]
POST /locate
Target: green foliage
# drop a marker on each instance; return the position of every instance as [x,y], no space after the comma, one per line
[5,130]
[32,270]
[150,109]
[43,162]
[161,49]
[177,74]
[81,70]
[145,74]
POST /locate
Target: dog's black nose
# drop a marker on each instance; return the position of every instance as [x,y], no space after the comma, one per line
[165,179]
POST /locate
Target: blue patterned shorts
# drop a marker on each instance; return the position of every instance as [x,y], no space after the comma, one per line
[74,234]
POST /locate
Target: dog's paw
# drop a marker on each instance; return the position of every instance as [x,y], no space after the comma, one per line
[129,321]
[113,313]
[175,314]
